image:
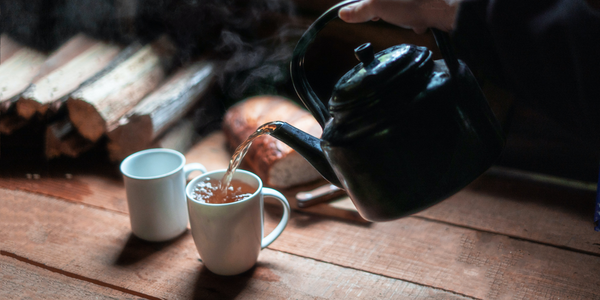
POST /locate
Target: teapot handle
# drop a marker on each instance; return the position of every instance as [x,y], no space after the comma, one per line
[443,43]
[298,75]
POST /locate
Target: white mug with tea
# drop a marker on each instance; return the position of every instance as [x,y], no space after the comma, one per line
[229,236]
[155,186]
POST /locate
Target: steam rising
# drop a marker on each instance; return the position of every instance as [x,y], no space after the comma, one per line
[252,38]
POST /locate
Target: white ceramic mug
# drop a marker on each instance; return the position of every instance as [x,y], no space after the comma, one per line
[229,236]
[155,186]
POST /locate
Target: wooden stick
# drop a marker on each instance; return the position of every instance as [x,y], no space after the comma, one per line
[104,99]
[159,110]
[73,63]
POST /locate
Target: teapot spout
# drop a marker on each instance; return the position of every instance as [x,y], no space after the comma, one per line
[309,147]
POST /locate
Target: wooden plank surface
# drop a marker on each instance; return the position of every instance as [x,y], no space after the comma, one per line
[445,254]
[160,110]
[527,210]
[461,260]
[97,244]
[17,72]
[106,97]
[77,60]
[23,280]
[538,212]
[96,190]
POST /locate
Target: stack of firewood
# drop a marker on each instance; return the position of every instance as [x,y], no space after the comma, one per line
[89,91]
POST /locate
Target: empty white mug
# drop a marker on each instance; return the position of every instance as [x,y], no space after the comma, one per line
[155,186]
[229,236]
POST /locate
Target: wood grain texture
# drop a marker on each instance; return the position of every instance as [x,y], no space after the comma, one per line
[433,253]
[73,63]
[97,244]
[461,260]
[20,280]
[103,100]
[17,72]
[62,136]
[529,210]
[158,111]
[101,191]
[73,47]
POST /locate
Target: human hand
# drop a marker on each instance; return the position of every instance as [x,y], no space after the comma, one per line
[417,15]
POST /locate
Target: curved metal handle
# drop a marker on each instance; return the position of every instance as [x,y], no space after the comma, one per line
[442,40]
[298,75]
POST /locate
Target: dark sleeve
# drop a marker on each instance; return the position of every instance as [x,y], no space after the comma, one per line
[546,52]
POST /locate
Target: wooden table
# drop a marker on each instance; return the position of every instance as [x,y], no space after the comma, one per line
[67,236]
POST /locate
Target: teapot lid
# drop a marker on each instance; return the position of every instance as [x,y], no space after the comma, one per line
[401,69]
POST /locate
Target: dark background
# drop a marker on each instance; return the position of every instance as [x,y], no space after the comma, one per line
[253,41]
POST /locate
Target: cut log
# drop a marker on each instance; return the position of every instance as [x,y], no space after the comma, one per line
[73,63]
[93,243]
[17,72]
[63,140]
[104,99]
[158,111]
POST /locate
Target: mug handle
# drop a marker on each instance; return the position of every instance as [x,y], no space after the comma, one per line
[268,192]
[189,168]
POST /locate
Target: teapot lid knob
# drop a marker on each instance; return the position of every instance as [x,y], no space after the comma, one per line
[364,53]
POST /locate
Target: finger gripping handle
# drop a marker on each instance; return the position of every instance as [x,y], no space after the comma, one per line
[298,74]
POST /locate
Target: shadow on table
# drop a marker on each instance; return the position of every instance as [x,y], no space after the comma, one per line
[573,201]
[305,219]
[136,249]
[212,286]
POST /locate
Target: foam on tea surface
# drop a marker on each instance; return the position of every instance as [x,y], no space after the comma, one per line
[209,191]
[242,149]
[227,190]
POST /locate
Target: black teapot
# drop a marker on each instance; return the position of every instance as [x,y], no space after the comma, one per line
[402,131]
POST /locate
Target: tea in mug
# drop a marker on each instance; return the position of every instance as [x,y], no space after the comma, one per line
[228,190]
[243,148]
[209,191]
